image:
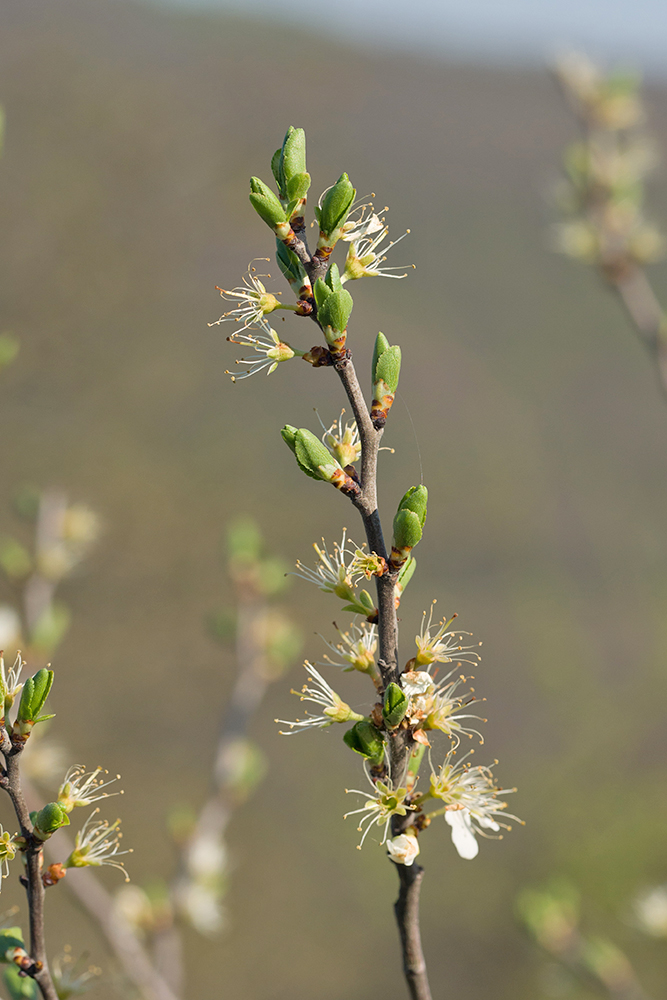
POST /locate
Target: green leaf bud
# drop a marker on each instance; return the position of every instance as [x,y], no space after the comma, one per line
[332,279]
[333,317]
[321,291]
[407,530]
[366,740]
[275,169]
[388,368]
[266,204]
[33,696]
[381,345]
[43,680]
[336,205]
[395,705]
[415,500]
[293,154]
[48,820]
[289,436]
[297,188]
[313,457]
[404,576]
[408,524]
[25,712]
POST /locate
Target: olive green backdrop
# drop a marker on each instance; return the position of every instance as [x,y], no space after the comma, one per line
[123,190]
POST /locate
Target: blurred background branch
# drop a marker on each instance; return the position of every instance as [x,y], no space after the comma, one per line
[603,194]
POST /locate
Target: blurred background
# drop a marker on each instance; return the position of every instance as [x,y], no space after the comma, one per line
[132,129]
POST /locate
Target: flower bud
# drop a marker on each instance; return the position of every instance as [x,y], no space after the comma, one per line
[395,705]
[366,740]
[48,820]
[404,848]
[408,524]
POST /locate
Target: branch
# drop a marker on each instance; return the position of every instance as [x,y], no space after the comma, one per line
[400,741]
[406,909]
[33,879]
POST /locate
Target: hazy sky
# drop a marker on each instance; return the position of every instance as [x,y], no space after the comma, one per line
[631,30]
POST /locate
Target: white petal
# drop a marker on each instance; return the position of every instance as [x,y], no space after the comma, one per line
[462,833]
[415,682]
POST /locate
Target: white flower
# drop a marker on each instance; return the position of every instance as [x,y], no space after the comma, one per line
[357,648]
[82,788]
[270,350]
[436,706]
[443,647]
[335,709]
[98,843]
[403,849]
[381,806]
[362,227]
[471,802]
[253,302]
[335,572]
[366,256]
[342,441]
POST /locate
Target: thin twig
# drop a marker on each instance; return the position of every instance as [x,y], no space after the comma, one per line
[33,879]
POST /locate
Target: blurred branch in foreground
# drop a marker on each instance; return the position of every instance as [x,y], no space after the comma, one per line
[603,194]
[63,535]
[143,926]
[552,918]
